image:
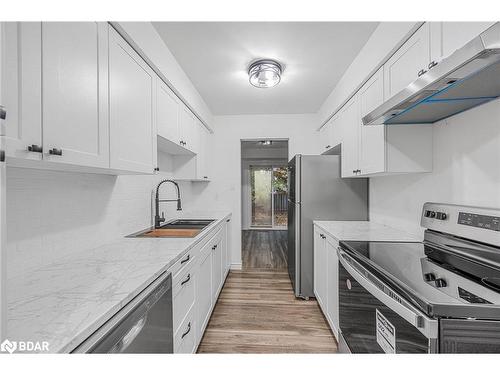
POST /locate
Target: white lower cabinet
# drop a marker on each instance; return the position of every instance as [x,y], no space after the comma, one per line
[197,281]
[320,269]
[185,338]
[332,287]
[204,289]
[326,277]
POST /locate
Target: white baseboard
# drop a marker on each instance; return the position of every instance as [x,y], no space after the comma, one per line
[236,266]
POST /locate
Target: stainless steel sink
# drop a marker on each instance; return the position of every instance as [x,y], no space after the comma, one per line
[187,224]
[181,228]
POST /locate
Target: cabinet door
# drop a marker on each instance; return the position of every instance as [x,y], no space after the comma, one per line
[21,88]
[335,131]
[204,152]
[189,130]
[167,113]
[216,270]
[333,284]
[324,136]
[372,138]
[228,245]
[350,143]
[131,108]
[204,290]
[320,268]
[403,67]
[75,92]
[447,37]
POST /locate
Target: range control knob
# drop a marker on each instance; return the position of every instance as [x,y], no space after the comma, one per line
[440,283]
[429,276]
[432,214]
[441,216]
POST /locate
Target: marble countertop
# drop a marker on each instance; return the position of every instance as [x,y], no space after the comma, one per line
[364,231]
[65,302]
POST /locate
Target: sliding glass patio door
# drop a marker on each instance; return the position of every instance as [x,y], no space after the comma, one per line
[268,194]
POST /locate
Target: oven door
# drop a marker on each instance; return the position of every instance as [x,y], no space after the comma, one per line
[374,319]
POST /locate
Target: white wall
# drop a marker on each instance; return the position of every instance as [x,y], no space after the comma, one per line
[466,170]
[53,214]
[225,190]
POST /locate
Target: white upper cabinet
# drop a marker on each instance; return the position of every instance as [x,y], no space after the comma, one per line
[189,130]
[380,149]
[447,37]
[324,138]
[204,152]
[371,138]
[131,108]
[407,62]
[167,113]
[75,93]
[21,89]
[349,121]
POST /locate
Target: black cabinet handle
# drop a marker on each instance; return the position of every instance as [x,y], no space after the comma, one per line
[228,220]
[35,148]
[186,259]
[187,279]
[55,151]
[187,331]
[422,72]
[2,156]
[156,169]
[354,171]
[3,113]
[328,146]
[431,65]
[205,177]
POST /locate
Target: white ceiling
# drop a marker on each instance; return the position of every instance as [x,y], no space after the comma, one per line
[216,55]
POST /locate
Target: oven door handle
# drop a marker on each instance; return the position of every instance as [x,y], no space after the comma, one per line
[429,327]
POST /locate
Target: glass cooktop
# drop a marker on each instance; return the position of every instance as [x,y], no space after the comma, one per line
[428,276]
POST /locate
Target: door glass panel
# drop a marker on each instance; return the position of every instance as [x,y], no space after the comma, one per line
[261,195]
[280,196]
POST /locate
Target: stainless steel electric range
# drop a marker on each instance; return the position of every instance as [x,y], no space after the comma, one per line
[441,295]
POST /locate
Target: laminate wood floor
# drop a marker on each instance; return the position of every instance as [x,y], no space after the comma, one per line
[257,312]
[264,249]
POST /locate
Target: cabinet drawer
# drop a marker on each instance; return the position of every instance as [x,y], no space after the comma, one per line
[183,295]
[185,338]
[183,263]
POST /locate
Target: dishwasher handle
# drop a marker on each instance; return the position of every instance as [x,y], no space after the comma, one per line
[129,336]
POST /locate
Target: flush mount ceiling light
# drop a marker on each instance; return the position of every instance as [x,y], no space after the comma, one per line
[265,73]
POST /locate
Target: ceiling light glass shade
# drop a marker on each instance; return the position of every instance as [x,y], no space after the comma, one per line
[264,73]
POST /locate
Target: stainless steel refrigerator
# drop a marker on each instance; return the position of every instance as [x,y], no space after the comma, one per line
[317,192]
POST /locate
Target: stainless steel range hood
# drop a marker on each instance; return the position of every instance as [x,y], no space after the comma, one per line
[467,78]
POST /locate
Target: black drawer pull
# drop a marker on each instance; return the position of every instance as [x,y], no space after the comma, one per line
[35,148]
[3,113]
[55,151]
[186,260]
[187,279]
[187,331]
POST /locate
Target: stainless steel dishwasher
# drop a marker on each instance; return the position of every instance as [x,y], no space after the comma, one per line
[144,325]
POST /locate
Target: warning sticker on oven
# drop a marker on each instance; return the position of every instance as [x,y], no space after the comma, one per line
[386,333]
